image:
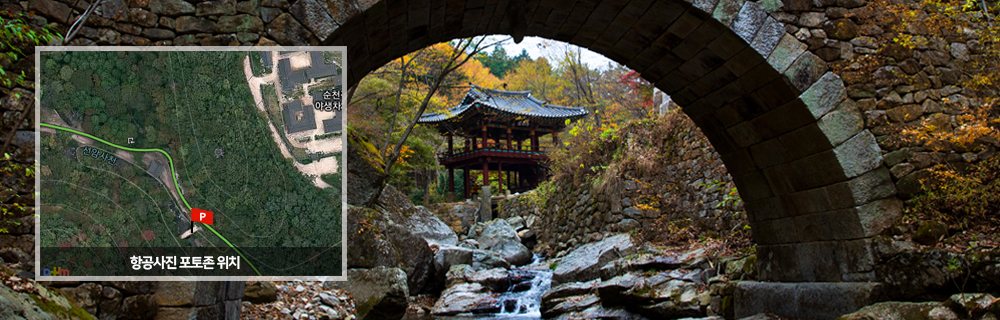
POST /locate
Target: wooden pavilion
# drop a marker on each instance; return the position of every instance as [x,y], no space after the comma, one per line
[500,132]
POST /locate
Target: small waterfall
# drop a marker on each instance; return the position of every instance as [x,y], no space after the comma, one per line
[524,297]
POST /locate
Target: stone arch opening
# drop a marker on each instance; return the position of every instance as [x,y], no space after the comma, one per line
[812,178]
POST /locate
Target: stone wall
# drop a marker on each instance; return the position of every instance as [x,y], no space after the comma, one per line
[894,87]
[178,22]
[693,187]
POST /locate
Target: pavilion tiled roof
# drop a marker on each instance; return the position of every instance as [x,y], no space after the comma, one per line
[513,102]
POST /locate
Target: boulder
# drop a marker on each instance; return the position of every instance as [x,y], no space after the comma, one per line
[482,259]
[585,262]
[672,310]
[19,306]
[930,232]
[425,224]
[375,240]
[138,307]
[617,291]
[86,296]
[132,287]
[841,29]
[500,237]
[380,292]
[600,312]
[111,301]
[516,222]
[458,274]
[931,275]
[570,289]
[450,256]
[365,172]
[569,304]
[495,279]
[895,310]
[171,7]
[970,305]
[188,293]
[466,298]
[261,292]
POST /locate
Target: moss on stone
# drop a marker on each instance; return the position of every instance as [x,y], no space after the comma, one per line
[367,306]
[60,312]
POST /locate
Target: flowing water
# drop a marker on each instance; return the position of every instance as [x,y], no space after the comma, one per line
[523,300]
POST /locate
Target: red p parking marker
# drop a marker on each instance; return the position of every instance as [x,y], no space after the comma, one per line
[199,215]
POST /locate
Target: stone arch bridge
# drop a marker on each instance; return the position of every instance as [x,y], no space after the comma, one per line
[754,75]
[813,179]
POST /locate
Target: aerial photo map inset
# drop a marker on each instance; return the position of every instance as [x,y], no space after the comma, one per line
[203,162]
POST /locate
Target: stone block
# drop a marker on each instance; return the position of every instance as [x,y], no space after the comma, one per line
[739,162]
[698,39]
[769,153]
[173,313]
[859,154]
[878,215]
[189,24]
[216,8]
[785,52]
[811,201]
[287,31]
[743,62]
[132,287]
[171,7]
[776,231]
[714,82]
[829,225]
[816,170]
[701,64]
[745,134]
[749,20]
[905,113]
[756,78]
[775,93]
[824,95]
[867,187]
[727,45]
[808,139]
[187,293]
[753,186]
[725,12]
[768,36]
[705,5]
[778,179]
[819,261]
[313,16]
[766,209]
[823,300]
[842,123]
[778,262]
[807,69]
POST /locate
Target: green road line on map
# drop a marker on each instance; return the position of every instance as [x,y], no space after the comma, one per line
[172,173]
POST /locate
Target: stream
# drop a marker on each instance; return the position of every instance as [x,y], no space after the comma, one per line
[522,300]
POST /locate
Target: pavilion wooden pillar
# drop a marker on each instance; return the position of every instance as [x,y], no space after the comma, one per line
[486,172]
[500,177]
[467,185]
[451,184]
[449,147]
[518,144]
[474,145]
[508,138]
[555,139]
[534,141]
[484,137]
